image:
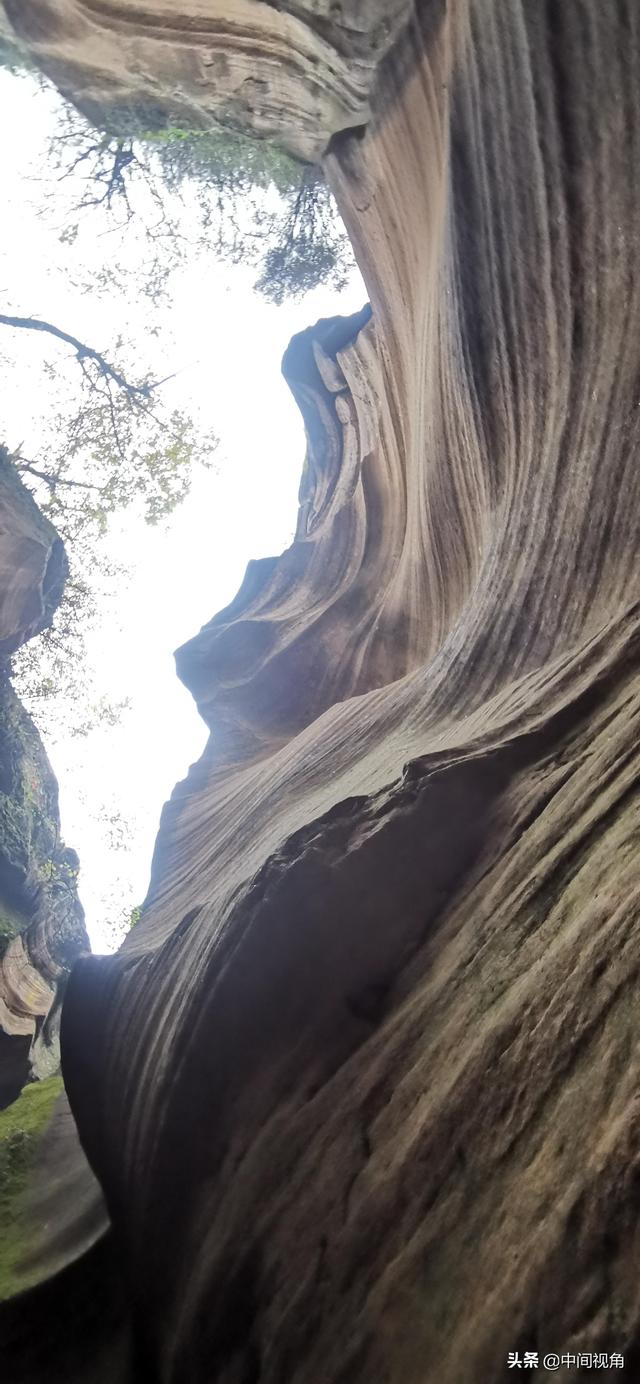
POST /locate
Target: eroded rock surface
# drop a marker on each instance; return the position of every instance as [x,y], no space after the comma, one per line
[42,934]
[362,1086]
[33,566]
[298,71]
[41,920]
[42,929]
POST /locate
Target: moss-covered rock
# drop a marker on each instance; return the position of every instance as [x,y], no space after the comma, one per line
[38,892]
[29,824]
[12,923]
[21,1127]
[41,920]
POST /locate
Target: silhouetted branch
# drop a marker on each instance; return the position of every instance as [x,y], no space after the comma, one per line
[83,352]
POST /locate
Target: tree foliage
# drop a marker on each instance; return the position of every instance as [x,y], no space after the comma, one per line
[150,199]
[117,448]
[246,201]
[236,198]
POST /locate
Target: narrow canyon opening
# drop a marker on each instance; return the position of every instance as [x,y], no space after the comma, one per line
[347,1089]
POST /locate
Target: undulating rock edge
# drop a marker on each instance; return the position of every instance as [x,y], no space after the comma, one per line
[362,1087]
[41,920]
[42,929]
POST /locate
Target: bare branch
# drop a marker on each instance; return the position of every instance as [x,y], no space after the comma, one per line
[83,352]
[53,480]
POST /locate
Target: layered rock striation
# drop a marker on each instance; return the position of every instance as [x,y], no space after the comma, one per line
[300,70]
[41,920]
[42,932]
[361,1088]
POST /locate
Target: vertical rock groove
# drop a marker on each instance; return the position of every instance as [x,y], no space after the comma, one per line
[361,1087]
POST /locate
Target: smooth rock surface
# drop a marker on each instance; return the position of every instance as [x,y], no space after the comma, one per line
[362,1087]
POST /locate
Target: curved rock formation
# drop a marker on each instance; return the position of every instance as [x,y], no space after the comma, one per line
[41,920]
[361,1088]
[33,565]
[297,70]
[42,929]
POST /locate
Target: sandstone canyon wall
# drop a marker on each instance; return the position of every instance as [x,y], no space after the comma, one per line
[41,921]
[362,1088]
[298,71]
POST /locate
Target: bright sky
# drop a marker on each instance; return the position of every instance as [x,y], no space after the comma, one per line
[227,343]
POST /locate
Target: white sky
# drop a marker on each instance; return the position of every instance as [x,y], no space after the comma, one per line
[231,343]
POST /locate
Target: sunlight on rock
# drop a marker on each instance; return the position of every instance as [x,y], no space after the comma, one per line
[355,1101]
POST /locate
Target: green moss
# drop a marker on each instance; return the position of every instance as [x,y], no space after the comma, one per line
[29,837]
[12,922]
[15,832]
[21,1126]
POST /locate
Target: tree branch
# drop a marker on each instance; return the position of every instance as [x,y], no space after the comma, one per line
[53,481]
[82,351]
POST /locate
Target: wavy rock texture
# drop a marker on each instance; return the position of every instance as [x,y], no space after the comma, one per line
[301,70]
[41,931]
[362,1086]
